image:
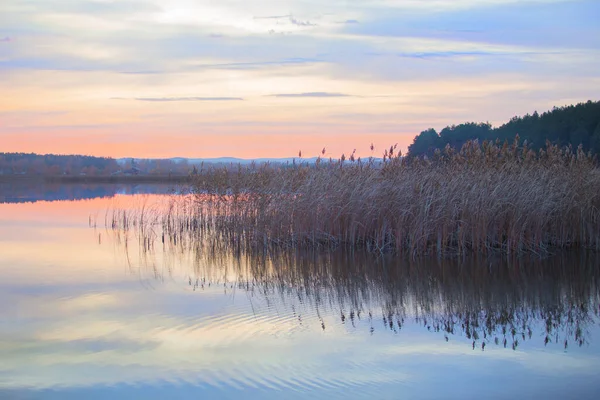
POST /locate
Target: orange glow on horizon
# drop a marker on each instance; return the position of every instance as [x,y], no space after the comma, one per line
[184,80]
[230,145]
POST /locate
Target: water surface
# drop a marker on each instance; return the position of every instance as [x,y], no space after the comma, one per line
[92,313]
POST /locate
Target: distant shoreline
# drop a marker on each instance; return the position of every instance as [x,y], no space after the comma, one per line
[96,179]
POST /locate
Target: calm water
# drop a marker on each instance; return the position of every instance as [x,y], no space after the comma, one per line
[90,314]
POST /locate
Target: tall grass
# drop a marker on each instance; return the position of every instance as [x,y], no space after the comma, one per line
[485,197]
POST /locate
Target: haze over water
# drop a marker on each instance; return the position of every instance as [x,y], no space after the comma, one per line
[91,313]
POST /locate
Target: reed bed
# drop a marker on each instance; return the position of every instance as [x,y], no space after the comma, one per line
[485,198]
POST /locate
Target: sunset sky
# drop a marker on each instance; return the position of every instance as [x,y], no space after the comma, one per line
[164,78]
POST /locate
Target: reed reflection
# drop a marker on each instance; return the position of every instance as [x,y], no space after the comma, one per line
[550,302]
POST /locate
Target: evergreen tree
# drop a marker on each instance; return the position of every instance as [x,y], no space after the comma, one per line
[425,143]
[574,124]
[595,140]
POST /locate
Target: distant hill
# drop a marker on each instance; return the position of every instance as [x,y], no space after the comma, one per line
[223,160]
[569,125]
[53,165]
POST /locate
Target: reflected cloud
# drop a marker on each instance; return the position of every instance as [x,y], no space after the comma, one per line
[133,310]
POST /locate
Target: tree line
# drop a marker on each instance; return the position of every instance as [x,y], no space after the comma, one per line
[72,165]
[570,125]
[55,164]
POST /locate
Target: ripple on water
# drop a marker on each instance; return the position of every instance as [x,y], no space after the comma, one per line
[294,326]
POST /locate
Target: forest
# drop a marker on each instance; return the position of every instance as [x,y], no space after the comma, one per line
[53,164]
[50,165]
[563,126]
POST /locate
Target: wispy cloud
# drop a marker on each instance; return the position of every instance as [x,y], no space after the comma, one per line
[259,64]
[99,8]
[293,20]
[141,72]
[188,99]
[447,54]
[301,23]
[5,39]
[58,127]
[311,94]
[32,113]
[273,17]
[350,21]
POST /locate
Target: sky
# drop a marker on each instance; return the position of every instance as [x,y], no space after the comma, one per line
[270,78]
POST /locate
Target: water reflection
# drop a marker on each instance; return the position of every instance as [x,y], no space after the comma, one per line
[124,317]
[489,302]
[26,191]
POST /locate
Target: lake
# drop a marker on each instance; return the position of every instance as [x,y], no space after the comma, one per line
[90,312]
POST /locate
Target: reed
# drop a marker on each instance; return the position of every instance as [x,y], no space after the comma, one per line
[488,197]
[485,197]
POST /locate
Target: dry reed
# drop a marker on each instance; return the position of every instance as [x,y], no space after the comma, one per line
[485,197]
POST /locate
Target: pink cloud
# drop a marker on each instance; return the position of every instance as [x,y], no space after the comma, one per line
[6,39]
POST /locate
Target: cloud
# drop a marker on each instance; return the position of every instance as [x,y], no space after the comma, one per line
[301,23]
[233,66]
[188,99]
[150,72]
[509,23]
[259,64]
[289,17]
[310,94]
[32,113]
[5,39]
[59,128]
[98,8]
[274,17]
[447,54]
[350,21]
